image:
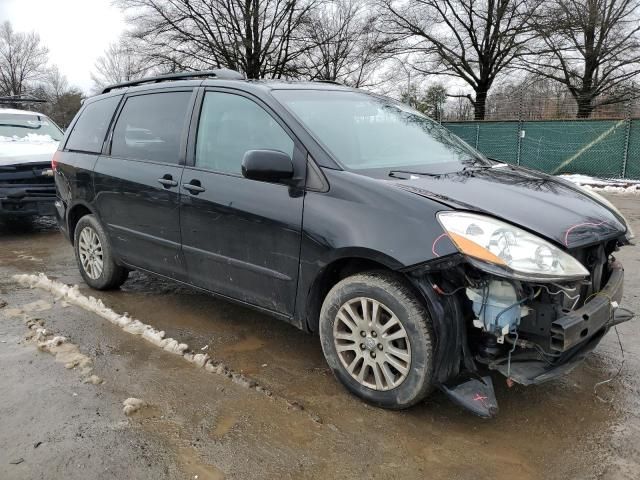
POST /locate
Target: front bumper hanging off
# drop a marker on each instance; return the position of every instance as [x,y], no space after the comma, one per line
[573,336]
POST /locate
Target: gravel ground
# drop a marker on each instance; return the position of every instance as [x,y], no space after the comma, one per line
[195,423]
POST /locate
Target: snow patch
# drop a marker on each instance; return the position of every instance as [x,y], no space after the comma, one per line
[20,153]
[629,187]
[198,359]
[29,138]
[72,295]
[132,405]
[93,380]
[64,352]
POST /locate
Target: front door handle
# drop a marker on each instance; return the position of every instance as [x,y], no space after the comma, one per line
[167,181]
[194,187]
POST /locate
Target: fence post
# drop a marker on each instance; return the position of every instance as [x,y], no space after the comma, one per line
[520,106]
[627,138]
[477,135]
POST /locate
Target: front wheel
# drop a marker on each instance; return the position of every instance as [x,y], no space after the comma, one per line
[377,338]
[95,256]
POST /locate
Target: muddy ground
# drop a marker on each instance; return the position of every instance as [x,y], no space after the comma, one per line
[201,425]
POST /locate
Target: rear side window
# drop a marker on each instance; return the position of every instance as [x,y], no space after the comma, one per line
[150,127]
[231,125]
[90,129]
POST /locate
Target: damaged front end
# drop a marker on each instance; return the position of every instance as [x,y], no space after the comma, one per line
[530,330]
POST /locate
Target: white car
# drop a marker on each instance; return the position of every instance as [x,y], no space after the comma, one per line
[28,141]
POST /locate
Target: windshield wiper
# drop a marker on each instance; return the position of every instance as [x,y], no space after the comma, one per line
[395,173]
[470,168]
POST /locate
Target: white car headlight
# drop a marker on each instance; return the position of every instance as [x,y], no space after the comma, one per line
[515,252]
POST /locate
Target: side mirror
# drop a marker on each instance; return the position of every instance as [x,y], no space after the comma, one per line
[267,166]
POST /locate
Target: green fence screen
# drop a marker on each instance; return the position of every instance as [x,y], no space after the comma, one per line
[600,148]
[633,155]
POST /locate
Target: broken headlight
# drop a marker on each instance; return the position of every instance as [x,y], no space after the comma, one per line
[506,250]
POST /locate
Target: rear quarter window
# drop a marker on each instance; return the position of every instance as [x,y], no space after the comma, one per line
[90,129]
[150,127]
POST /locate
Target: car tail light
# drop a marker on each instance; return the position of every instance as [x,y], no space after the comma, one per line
[55,160]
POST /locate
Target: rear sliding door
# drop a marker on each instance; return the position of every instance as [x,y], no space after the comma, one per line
[137,183]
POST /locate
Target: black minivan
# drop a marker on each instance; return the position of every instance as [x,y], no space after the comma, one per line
[419,262]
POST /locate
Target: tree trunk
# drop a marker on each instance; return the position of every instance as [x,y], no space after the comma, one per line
[480,105]
[585,106]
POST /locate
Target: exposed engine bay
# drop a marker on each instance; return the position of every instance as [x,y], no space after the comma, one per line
[530,332]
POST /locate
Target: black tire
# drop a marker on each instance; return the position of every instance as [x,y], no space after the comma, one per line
[112,274]
[392,292]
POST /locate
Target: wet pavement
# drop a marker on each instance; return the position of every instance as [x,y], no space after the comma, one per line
[206,425]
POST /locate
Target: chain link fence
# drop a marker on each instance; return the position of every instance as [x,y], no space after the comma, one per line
[535,135]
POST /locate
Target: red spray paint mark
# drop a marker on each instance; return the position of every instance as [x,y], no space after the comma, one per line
[433,247]
[570,229]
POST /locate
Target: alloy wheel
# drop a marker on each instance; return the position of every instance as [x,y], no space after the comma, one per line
[372,344]
[90,250]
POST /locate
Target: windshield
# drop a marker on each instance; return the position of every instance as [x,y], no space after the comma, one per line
[28,128]
[363,131]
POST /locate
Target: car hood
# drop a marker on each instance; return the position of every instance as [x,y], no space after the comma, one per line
[536,202]
[21,152]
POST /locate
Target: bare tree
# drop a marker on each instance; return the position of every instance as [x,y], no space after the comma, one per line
[256,37]
[55,82]
[23,60]
[473,40]
[61,100]
[590,46]
[121,62]
[459,109]
[345,44]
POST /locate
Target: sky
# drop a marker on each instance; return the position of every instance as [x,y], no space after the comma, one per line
[76,32]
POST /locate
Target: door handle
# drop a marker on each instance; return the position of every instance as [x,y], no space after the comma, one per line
[194,187]
[167,181]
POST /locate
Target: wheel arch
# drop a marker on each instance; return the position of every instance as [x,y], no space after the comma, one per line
[340,267]
[74,214]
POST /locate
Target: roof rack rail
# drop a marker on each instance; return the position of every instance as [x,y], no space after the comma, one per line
[220,73]
[21,99]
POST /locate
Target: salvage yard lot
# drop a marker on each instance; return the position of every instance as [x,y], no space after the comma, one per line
[273,410]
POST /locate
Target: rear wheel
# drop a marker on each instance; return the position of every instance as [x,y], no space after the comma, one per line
[376,336]
[95,256]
